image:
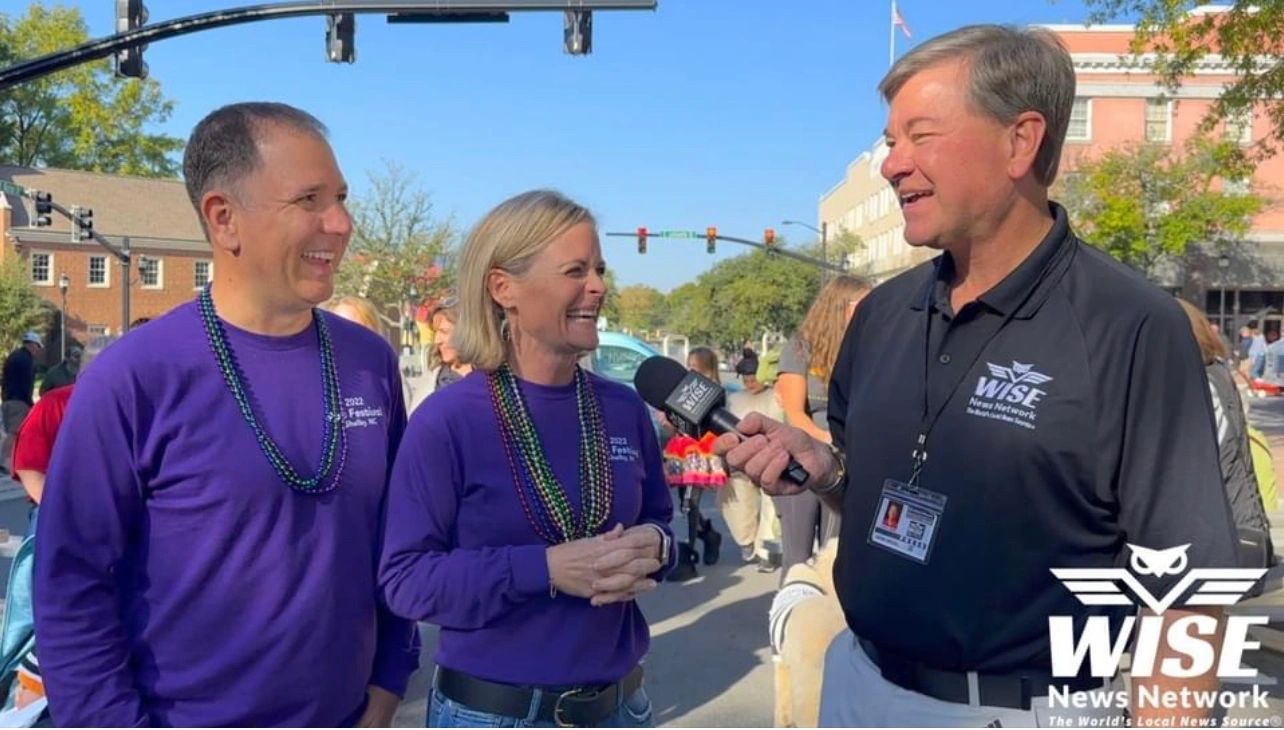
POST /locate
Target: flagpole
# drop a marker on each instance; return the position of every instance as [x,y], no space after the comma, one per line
[891,37]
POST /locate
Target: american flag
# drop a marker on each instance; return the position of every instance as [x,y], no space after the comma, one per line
[897,20]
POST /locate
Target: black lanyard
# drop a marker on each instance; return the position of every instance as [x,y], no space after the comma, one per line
[928,423]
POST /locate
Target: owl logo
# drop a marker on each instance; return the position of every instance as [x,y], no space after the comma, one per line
[1158,562]
[1212,586]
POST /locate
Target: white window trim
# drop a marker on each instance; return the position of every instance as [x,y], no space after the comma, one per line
[210,263]
[1087,137]
[106,273]
[160,275]
[31,269]
[1168,126]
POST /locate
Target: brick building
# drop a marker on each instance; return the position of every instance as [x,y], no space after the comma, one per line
[170,258]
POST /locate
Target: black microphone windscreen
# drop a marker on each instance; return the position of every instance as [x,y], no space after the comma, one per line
[656,378]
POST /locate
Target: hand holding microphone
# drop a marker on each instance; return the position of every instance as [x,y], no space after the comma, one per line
[779,458]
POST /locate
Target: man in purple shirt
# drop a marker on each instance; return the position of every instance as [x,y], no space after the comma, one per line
[210,529]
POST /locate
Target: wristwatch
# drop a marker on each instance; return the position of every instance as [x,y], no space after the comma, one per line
[840,474]
[666,543]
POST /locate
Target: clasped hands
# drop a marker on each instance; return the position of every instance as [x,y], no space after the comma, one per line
[608,568]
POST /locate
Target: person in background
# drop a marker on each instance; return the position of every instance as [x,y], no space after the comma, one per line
[1234,451]
[750,518]
[444,365]
[803,391]
[701,471]
[64,373]
[17,389]
[527,508]
[357,309]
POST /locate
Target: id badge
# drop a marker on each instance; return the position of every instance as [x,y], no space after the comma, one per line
[906,520]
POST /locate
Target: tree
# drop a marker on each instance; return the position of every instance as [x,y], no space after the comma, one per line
[84,117]
[641,308]
[611,306]
[1145,205]
[1247,36]
[742,297]
[398,249]
[21,309]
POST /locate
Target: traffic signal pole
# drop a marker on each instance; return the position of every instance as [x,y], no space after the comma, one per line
[444,10]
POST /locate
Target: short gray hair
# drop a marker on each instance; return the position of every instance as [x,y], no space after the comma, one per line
[1011,70]
[224,147]
[509,237]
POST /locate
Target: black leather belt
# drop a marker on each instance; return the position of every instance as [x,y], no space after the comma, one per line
[1014,690]
[575,707]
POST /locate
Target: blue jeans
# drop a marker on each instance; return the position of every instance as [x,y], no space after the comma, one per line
[636,711]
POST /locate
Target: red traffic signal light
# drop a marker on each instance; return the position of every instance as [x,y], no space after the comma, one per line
[769,237]
[641,239]
[711,236]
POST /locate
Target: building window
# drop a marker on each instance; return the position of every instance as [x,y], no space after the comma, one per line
[1239,127]
[150,273]
[98,271]
[99,330]
[42,268]
[1159,120]
[204,271]
[1237,186]
[1080,129]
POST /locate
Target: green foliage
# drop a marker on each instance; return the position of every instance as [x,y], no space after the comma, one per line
[641,308]
[1145,205]
[396,243]
[1247,37]
[740,298]
[21,309]
[82,118]
[611,307]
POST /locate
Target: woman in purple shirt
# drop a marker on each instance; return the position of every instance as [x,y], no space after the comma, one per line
[527,506]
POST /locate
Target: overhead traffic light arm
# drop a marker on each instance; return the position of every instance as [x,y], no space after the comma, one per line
[141,36]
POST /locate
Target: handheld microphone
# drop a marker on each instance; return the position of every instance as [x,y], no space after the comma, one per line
[693,403]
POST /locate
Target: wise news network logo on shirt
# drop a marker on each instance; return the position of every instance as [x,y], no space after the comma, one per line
[1009,394]
[1190,638]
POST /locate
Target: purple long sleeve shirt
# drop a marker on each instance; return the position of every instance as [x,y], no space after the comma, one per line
[460,553]
[178,579]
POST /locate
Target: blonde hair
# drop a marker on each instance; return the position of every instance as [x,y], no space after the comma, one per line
[1211,346]
[366,313]
[823,328]
[508,238]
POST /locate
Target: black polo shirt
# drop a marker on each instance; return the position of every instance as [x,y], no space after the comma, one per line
[1081,422]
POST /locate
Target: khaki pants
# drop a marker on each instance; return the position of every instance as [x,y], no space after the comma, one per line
[750,518]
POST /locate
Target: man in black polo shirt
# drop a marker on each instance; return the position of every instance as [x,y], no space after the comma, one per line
[1020,404]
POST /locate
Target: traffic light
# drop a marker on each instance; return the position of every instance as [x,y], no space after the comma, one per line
[769,237]
[641,239]
[44,209]
[711,238]
[577,34]
[131,15]
[82,220]
[341,37]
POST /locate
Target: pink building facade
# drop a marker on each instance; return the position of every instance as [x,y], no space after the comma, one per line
[1119,102]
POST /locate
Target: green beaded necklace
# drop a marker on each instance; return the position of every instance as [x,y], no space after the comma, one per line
[334,451]
[543,498]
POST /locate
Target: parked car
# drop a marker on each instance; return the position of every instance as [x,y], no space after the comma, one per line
[617,357]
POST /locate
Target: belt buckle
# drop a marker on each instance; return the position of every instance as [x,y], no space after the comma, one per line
[573,694]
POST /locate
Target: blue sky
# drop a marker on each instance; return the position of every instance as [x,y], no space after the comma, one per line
[734,113]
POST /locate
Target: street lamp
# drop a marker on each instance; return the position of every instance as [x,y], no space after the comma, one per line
[823,232]
[1223,263]
[64,284]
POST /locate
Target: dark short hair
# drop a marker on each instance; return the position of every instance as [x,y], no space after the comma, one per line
[224,146]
